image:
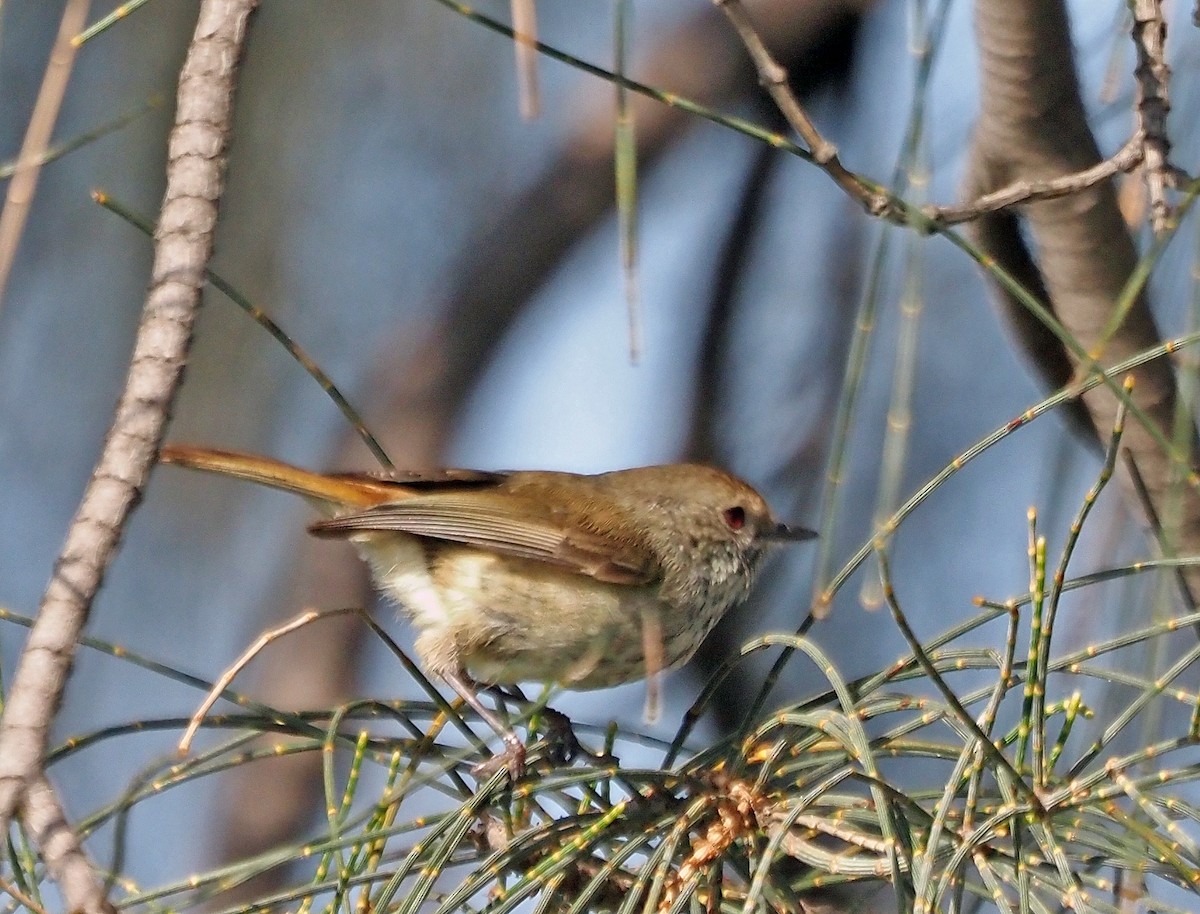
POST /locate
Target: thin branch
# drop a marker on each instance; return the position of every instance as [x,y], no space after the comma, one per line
[1125,159]
[195,171]
[875,198]
[37,138]
[1153,76]
[226,678]
[774,78]
[876,201]
[524,20]
[9,888]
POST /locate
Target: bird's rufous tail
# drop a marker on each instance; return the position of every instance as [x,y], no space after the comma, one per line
[346,489]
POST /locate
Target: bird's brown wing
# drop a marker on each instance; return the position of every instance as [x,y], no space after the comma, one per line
[431,479]
[507,525]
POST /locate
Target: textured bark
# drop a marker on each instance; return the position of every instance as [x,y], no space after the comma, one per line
[183,245]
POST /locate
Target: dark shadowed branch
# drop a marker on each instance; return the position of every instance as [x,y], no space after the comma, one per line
[1033,127]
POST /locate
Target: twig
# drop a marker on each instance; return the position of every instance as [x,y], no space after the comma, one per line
[185,744]
[1125,159]
[195,168]
[37,137]
[524,20]
[1153,76]
[874,197]
[774,78]
[10,888]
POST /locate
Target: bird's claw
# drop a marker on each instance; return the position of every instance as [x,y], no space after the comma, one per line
[512,758]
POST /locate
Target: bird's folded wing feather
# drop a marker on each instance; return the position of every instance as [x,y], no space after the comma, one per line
[505,526]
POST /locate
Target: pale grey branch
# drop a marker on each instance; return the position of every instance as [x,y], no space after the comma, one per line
[183,245]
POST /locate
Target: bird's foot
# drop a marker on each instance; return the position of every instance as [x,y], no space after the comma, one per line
[512,758]
[562,745]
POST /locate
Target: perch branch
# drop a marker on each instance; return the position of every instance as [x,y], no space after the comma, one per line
[183,245]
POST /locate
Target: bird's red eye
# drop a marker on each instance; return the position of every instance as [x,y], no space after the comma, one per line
[735,517]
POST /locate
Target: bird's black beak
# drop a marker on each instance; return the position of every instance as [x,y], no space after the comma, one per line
[784,533]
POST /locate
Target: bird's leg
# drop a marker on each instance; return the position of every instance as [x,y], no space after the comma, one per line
[654,651]
[564,745]
[514,753]
[560,736]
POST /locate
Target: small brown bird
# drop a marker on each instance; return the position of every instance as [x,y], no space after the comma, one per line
[584,581]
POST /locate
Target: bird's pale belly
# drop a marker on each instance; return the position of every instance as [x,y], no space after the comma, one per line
[520,621]
[508,620]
